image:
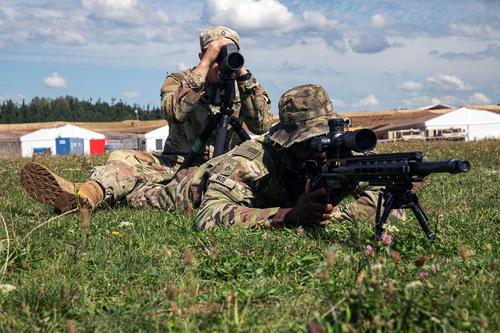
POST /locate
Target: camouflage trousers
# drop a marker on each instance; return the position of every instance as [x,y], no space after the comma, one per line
[138,178]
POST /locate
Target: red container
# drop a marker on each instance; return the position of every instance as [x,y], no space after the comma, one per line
[97,146]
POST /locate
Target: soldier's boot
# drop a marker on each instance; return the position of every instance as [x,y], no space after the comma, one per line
[89,194]
[47,187]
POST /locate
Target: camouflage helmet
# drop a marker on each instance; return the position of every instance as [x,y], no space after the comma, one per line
[214,33]
[303,112]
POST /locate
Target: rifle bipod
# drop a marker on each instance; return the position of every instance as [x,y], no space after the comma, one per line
[399,199]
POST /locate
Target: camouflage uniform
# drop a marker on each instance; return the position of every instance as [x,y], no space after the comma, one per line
[186,102]
[134,176]
[252,182]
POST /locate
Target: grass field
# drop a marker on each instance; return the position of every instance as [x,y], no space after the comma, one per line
[158,274]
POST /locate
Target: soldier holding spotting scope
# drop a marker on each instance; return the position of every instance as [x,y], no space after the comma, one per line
[188,99]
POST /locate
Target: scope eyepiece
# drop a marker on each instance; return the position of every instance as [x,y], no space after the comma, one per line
[230,59]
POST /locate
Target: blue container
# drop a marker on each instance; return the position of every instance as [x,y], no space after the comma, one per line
[67,146]
[42,151]
[76,146]
[62,146]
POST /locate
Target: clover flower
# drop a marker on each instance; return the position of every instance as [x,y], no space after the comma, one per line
[368,250]
[386,238]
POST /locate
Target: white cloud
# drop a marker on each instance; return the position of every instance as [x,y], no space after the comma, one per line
[410,86]
[339,103]
[130,94]
[112,9]
[367,101]
[55,81]
[378,21]
[317,20]
[447,82]
[57,35]
[479,98]
[130,11]
[287,66]
[181,66]
[47,13]
[265,15]
[249,15]
[70,38]
[420,101]
[472,30]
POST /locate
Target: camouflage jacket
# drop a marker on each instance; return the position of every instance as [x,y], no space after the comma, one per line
[248,185]
[186,105]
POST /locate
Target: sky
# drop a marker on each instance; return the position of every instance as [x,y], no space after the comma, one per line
[369,55]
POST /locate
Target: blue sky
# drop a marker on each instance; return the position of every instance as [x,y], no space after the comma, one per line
[369,55]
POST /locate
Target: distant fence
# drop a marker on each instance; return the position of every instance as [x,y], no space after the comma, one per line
[136,143]
[10,148]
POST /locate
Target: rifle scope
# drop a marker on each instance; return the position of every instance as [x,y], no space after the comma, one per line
[230,59]
[358,140]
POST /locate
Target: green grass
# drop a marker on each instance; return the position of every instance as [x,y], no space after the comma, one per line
[161,275]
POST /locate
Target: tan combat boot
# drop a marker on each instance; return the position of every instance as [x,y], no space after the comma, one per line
[89,194]
[46,187]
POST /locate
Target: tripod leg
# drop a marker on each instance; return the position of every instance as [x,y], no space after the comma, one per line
[235,124]
[388,206]
[200,142]
[421,217]
[221,135]
[379,206]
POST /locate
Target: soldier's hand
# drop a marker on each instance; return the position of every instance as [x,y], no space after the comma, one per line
[417,185]
[310,209]
[213,50]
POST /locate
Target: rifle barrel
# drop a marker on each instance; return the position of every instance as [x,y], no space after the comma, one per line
[450,166]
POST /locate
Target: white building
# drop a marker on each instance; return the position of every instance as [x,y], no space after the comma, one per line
[46,138]
[476,124]
[155,140]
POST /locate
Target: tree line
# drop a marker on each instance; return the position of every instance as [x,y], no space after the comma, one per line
[68,108]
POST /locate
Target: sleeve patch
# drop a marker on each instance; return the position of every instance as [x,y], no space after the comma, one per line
[228,167]
[223,180]
[246,151]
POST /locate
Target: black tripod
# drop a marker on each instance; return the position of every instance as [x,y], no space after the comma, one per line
[397,198]
[221,120]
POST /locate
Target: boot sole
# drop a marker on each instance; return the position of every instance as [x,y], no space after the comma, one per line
[43,186]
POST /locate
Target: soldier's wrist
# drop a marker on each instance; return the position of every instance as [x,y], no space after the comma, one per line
[282,218]
[196,80]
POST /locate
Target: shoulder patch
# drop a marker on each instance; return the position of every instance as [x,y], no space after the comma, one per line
[223,180]
[228,167]
[246,151]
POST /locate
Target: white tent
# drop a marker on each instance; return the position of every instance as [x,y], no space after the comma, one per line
[477,124]
[155,140]
[46,138]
